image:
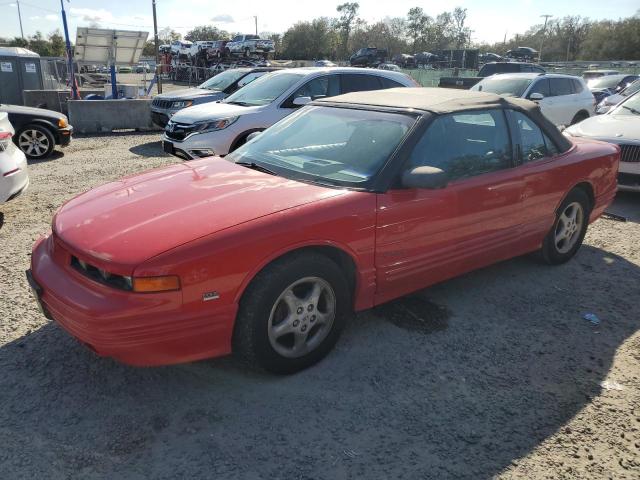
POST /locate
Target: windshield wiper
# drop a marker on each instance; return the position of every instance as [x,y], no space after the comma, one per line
[631,109]
[242,104]
[255,166]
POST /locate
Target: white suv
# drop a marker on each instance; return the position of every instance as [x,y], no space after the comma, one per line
[563,99]
[219,128]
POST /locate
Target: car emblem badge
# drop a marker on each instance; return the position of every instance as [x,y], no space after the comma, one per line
[210,296]
[171,127]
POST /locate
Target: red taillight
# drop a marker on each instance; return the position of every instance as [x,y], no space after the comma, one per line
[5,135]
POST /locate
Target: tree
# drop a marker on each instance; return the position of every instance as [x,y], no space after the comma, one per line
[417,27]
[206,32]
[57,42]
[168,35]
[348,17]
[149,49]
[460,33]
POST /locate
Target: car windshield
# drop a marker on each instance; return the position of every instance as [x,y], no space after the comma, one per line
[631,106]
[264,90]
[327,145]
[631,89]
[223,80]
[509,87]
[608,81]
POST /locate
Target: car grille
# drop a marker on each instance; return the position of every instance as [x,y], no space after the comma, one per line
[178,131]
[161,103]
[630,153]
[94,273]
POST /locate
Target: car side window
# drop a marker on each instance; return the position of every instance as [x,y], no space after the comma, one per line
[560,86]
[465,144]
[388,83]
[319,87]
[541,86]
[577,86]
[534,143]
[359,82]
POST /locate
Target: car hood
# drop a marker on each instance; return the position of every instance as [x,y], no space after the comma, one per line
[612,127]
[37,112]
[187,93]
[126,222]
[212,111]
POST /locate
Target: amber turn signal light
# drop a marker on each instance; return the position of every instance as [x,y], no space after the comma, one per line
[62,123]
[156,284]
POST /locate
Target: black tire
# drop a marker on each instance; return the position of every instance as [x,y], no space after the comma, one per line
[552,252]
[43,145]
[251,336]
[580,116]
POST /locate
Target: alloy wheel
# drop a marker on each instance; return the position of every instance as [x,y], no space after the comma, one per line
[302,317]
[569,226]
[33,143]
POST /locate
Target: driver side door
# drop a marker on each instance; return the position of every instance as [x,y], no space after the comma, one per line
[425,236]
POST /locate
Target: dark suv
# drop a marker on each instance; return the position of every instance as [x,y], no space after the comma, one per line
[38,130]
[165,105]
[368,57]
[488,69]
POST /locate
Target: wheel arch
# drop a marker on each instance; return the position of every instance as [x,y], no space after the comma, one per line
[583,185]
[580,114]
[237,142]
[338,254]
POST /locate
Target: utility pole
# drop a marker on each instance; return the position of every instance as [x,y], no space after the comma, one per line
[75,95]
[255,17]
[544,32]
[157,48]
[20,19]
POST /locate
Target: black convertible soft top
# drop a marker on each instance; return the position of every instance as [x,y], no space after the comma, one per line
[445,100]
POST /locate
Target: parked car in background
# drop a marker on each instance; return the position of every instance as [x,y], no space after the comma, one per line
[488,69]
[165,105]
[368,57]
[621,126]
[220,128]
[389,66]
[522,53]
[591,74]
[14,178]
[611,100]
[179,47]
[404,60]
[248,45]
[611,83]
[324,63]
[563,99]
[490,57]
[338,208]
[427,59]
[38,131]
[143,68]
[217,49]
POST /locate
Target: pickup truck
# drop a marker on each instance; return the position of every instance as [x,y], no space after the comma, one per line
[488,69]
[247,45]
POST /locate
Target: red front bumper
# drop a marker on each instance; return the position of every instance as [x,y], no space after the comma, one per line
[134,328]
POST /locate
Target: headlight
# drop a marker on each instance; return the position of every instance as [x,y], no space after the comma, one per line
[214,125]
[63,123]
[182,104]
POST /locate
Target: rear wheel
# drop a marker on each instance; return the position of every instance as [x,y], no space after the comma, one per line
[292,313]
[568,231]
[35,141]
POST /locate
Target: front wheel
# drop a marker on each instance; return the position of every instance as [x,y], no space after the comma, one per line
[568,231]
[292,313]
[36,142]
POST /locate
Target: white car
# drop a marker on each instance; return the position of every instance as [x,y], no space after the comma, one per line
[14,178]
[608,102]
[563,99]
[219,128]
[621,125]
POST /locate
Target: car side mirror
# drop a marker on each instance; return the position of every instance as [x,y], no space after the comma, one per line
[253,135]
[425,177]
[536,96]
[301,101]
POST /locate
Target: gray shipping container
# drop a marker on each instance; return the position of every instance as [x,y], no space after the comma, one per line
[20,70]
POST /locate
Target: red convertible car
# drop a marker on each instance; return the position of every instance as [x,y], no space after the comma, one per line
[350,202]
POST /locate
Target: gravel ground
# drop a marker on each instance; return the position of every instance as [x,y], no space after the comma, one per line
[493,374]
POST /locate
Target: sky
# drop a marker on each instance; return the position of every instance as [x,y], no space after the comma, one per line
[489,20]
